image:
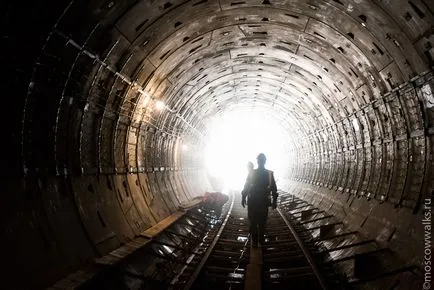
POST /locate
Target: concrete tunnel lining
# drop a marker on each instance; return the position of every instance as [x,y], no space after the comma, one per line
[97,164]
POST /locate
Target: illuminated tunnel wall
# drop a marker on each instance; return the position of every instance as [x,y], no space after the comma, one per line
[91,162]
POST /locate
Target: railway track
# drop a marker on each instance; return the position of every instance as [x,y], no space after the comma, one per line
[223,266]
[204,248]
[287,261]
[282,262]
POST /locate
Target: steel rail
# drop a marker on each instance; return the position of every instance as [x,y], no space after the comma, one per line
[210,248]
[306,253]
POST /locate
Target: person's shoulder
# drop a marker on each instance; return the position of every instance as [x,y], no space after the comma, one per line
[255,172]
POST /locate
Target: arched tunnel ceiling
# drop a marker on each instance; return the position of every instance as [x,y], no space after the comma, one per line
[316,67]
[350,81]
[332,56]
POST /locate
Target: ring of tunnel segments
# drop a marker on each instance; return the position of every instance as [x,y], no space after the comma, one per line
[95,163]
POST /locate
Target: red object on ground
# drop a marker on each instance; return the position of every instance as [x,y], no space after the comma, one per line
[215,199]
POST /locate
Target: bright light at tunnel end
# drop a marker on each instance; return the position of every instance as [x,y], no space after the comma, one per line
[236,138]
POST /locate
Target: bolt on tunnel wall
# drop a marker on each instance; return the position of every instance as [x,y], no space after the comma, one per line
[103,95]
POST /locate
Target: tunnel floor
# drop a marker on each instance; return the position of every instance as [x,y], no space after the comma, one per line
[203,247]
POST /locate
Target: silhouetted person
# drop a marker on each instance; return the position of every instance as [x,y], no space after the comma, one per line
[245,189]
[259,183]
[250,167]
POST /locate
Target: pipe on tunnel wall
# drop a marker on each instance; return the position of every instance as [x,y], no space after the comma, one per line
[98,164]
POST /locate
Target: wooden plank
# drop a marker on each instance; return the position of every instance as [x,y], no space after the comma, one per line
[162,225]
[254,270]
[78,278]
[120,253]
[253,277]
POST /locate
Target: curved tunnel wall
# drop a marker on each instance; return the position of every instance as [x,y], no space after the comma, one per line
[95,163]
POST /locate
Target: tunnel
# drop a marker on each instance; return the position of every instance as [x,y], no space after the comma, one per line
[110,107]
